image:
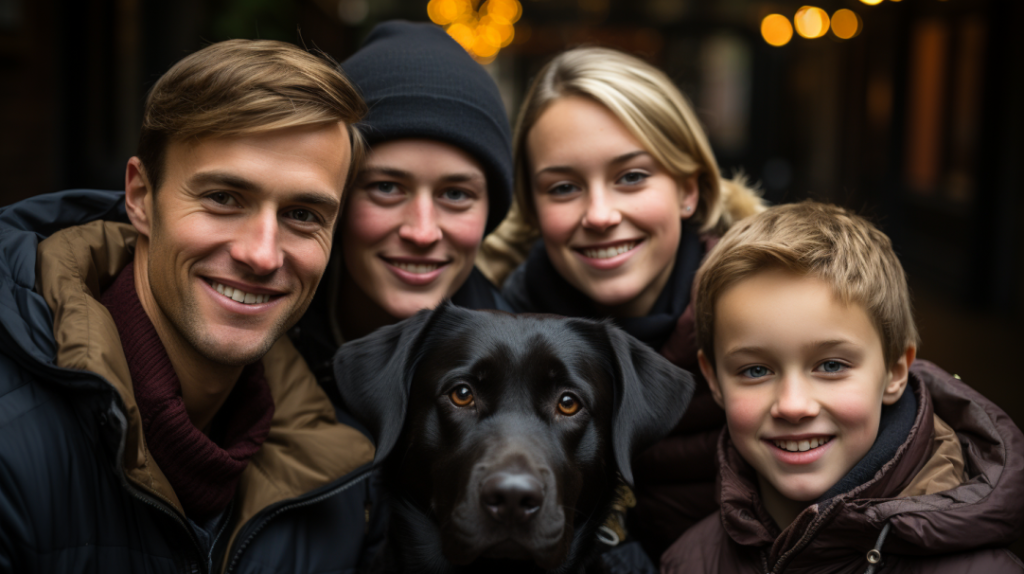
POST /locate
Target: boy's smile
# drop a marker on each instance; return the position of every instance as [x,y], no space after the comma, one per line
[802,379]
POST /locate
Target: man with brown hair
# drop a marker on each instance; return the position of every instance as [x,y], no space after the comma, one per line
[153,418]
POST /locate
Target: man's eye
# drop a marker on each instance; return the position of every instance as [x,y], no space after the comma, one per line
[756,372]
[304,215]
[221,197]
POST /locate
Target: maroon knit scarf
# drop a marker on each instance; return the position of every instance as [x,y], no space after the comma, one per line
[203,471]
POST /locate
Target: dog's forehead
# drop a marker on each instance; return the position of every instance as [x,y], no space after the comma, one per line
[521,338]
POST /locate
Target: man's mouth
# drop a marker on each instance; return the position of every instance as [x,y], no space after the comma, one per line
[609,252]
[239,295]
[801,445]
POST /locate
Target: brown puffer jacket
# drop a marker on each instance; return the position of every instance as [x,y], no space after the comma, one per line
[951,500]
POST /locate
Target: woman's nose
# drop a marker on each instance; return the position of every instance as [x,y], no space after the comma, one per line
[601,213]
[420,224]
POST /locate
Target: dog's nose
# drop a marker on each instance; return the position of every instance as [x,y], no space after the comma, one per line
[511,497]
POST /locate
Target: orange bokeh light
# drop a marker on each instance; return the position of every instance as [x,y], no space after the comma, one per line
[776,30]
[482,30]
[811,22]
[846,24]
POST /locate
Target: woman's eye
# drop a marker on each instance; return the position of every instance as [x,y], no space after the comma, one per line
[832,366]
[633,178]
[568,405]
[455,195]
[562,189]
[384,186]
[756,372]
[462,396]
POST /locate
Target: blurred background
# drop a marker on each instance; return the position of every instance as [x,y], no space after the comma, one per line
[908,111]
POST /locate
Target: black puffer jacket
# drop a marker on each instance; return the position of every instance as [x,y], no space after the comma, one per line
[78,491]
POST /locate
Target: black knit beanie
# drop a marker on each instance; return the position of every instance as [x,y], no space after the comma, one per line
[419,83]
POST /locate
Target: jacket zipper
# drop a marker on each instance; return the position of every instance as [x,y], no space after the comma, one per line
[298,503]
[149,500]
[62,373]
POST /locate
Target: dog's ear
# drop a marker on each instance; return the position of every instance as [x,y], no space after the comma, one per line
[373,375]
[651,395]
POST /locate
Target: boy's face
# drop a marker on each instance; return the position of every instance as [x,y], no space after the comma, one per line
[802,379]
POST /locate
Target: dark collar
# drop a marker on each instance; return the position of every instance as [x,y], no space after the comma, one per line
[549,292]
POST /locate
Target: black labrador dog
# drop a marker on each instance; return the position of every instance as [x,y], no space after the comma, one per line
[504,437]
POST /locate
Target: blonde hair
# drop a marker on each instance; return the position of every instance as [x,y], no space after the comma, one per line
[240,87]
[646,101]
[825,241]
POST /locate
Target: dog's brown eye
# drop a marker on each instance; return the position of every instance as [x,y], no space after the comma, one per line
[568,405]
[461,396]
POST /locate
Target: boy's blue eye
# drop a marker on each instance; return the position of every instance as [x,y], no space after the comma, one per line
[756,372]
[832,366]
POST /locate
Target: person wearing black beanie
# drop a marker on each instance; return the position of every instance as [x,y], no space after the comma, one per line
[436,178]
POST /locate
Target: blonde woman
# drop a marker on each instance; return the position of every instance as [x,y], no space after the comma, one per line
[616,177]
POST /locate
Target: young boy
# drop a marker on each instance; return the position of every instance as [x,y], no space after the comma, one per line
[840,453]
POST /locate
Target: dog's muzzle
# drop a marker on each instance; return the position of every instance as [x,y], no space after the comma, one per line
[510,510]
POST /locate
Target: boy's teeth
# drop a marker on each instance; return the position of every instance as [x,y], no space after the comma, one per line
[801,445]
[239,295]
[606,252]
[416,267]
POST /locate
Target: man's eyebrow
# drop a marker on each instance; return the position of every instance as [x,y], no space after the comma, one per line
[317,199]
[222,178]
[233,181]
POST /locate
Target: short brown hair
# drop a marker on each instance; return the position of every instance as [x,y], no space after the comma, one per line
[825,241]
[240,87]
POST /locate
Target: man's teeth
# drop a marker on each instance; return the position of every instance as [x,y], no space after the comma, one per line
[801,445]
[416,267]
[239,295]
[606,252]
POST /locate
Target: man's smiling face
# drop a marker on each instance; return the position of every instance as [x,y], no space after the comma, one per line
[240,233]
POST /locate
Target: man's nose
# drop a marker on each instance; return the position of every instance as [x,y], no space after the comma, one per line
[258,246]
[601,214]
[795,400]
[419,225]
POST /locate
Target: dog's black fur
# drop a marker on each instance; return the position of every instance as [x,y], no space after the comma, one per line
[507,481]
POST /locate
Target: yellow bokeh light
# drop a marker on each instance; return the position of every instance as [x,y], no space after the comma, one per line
[445,12]
[483,48]
[846,24]
[811,22]
[872,2]
[776,29]
[482,30]
[510,10]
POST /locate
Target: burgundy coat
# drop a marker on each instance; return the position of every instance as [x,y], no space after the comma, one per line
[961,527]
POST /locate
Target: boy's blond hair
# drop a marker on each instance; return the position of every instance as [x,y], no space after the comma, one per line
[825,241]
